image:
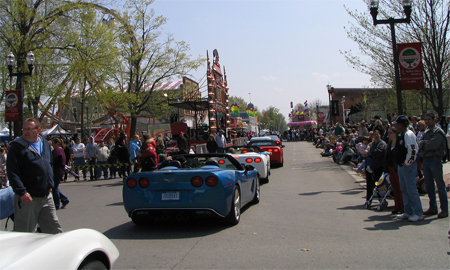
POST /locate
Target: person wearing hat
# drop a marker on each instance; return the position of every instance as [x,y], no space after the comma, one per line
[432,148]
[405,153]
[220,140]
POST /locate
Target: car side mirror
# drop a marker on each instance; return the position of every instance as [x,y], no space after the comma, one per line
[249,168]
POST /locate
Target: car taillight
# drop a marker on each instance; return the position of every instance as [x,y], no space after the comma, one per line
[221,161]
[144,182]
[236,157]
[249,160]
[131,183]
[245,151]
[270,150]
[211,181]
[258,160]
[276,150]
[278,142]
[197,181]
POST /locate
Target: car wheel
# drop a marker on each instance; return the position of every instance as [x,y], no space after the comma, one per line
[91,265]
[282,163]
[257,196]
[422,186]
[235,213]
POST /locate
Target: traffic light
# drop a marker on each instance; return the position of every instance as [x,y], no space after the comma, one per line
[292,104]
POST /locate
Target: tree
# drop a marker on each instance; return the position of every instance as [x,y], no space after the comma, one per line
[149,58]
[272,119]
[430,25]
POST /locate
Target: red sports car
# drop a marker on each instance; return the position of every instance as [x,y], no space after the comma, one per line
[269,145]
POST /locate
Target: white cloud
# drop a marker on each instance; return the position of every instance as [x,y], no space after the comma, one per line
[320,77]
[269,78]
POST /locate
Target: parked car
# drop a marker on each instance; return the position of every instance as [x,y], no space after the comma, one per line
[275,138]
[253,156]
[78,249]
[267,144]
[195,184]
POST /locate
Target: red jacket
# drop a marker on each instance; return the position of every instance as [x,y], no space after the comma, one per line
[148,150]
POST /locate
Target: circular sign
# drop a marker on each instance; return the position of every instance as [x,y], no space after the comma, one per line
[409,58]
[11,100]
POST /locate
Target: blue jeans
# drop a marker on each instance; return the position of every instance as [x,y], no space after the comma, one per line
[411,198]
[432,170]
[219,150]
[102,169]
[57,194]
[79,161]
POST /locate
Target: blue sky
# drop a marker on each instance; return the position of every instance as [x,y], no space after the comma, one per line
[279,51]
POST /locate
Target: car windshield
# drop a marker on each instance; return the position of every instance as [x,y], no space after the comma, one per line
[243,150]
[263,143]
[224,162]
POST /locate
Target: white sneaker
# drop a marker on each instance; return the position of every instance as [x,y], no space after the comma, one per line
[415,218]
[403,216]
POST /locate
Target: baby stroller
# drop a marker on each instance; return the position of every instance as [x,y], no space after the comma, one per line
[382,190]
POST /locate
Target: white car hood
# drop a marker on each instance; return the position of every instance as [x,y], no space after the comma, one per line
[46,251]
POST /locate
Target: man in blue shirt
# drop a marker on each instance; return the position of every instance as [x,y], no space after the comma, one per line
[30,174]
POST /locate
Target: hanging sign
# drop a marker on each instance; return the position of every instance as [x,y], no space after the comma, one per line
[320,116]
[411,67]
[12,106]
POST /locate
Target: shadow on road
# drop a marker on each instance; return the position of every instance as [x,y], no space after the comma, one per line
[109,183]
[171,229]
[388,222]
[352,191]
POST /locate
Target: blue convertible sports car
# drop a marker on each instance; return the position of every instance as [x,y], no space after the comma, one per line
[201,184]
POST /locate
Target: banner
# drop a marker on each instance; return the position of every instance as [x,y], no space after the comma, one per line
[12,106]
[320,116]
[335,108]
[411,67]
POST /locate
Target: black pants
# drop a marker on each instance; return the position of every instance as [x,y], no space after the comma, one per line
[371,178]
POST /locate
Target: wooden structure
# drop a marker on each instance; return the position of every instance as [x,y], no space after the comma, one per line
[219,110]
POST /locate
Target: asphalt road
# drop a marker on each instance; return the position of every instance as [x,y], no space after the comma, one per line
[311,215]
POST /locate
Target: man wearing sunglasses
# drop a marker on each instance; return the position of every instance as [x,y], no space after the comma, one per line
[30,174]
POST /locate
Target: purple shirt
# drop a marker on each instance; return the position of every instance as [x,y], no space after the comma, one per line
[59,160]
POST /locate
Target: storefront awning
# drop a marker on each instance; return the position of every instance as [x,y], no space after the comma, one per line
[302,123]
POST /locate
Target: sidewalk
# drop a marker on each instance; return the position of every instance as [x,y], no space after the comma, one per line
[362,181]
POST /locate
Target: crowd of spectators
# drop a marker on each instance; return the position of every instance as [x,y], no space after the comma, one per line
[398,147]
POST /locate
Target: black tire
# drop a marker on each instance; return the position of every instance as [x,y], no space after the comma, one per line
[282,163]
[257,196]
[234,216]
[92,265]
[422,186]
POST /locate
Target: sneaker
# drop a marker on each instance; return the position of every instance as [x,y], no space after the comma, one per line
[403,216]
[431,212]
[65,204]
[415,218]
[443,214]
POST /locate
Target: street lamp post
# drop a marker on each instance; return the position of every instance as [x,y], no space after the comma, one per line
[343,110]
[329,88]
[10,60]
[391,21]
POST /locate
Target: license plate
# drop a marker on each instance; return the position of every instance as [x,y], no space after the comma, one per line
[171,196]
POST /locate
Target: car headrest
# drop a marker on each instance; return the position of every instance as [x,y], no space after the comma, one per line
[212,162]
[174,163]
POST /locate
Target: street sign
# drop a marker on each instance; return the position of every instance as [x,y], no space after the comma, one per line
[12,106]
